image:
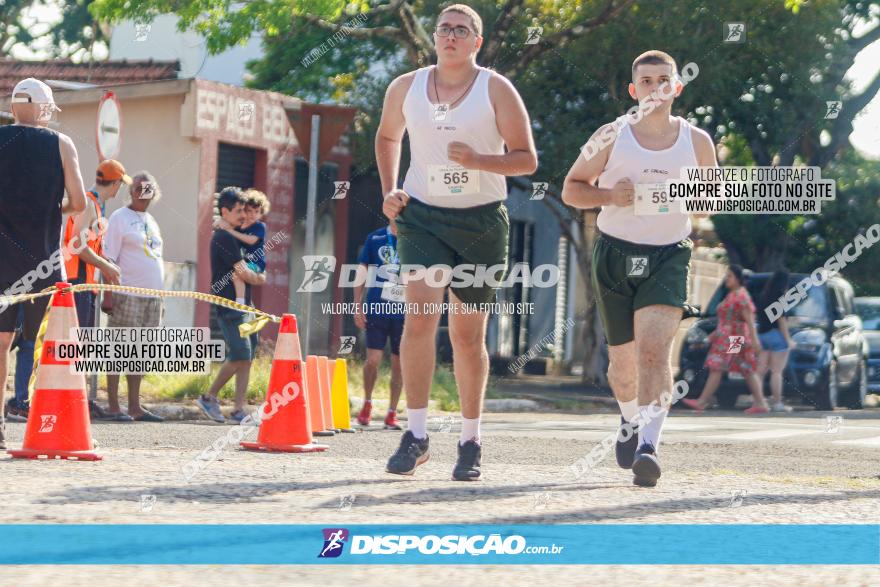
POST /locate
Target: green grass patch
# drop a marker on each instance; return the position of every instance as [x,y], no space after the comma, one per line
[168,387]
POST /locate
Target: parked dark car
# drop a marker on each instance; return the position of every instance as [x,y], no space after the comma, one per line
[827,368]
[868,310]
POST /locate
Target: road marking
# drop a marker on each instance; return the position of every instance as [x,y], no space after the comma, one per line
[871,441]
[761,434]
[678,425]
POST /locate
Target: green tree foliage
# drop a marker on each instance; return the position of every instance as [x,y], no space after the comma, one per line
[75,34]
[12,30]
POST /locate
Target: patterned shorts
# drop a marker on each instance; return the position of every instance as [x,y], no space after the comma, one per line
[133,311]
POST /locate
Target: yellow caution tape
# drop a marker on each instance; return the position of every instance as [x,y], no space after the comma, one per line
[244,330]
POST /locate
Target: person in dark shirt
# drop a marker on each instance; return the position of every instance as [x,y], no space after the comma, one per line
[381,314]
[37,166]
[775,339]
[252,235]
[227,259]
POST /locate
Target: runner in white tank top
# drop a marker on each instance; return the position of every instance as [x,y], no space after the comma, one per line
[468,129]
[431,127]
[640,259]
[630,160]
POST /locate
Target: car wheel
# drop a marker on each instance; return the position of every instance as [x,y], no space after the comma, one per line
[855,394]
[826,397]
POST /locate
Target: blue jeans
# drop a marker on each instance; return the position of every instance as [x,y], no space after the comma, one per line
[237,348]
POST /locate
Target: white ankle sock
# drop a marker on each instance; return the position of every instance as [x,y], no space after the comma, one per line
[651,420]
[629,410]
[470,430]
[240,301]
[417,422]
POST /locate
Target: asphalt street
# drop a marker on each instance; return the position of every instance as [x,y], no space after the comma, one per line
[804,467]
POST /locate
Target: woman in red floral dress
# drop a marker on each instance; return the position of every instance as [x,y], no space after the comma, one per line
[734,345]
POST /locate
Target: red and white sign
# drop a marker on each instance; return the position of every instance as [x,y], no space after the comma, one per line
[108,134]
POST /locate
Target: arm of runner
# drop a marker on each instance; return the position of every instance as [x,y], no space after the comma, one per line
[81,224]
[360,318]
[248,276]
[73,183]
[515,128]
[580,190]
[705,151]
[389,137]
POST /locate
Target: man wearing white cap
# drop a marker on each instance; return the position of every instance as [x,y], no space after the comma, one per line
[37,165]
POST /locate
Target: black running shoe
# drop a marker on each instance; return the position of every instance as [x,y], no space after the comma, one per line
[646,466]
[625,450]
[468,466]
[411,453]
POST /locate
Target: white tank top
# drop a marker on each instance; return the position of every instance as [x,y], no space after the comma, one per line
[629,159]
[432,178]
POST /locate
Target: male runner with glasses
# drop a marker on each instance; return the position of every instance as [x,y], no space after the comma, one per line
[640,259]
[468,129]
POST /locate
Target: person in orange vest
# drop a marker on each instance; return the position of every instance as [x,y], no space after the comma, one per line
[83,247]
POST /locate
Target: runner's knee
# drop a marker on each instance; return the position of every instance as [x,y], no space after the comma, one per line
[621,377]
[652,356]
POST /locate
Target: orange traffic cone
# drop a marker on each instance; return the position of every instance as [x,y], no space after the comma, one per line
[326,398]
[314,383]
[339,393]
[284,421]
[58,424]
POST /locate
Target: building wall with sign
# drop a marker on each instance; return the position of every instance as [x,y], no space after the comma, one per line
[175,130]
[151,141]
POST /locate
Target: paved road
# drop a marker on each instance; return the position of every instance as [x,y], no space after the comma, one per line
[718,468]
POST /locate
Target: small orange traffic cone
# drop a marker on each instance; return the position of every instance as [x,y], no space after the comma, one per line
[284,421]
[339,394]
[314,385]
[326,398]
[58,424]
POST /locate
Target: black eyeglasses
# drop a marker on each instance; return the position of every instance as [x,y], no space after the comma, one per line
[461,32]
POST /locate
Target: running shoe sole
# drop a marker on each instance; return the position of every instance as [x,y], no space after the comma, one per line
[420,461]
[454,478]
[646,470]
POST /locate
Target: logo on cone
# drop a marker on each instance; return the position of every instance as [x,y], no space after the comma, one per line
[47,422]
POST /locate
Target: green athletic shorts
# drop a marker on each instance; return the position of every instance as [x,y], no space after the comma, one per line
[429,236]
[629,276]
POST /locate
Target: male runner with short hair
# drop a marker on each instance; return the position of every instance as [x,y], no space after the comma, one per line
[640,259]
[468,129]
[37,165]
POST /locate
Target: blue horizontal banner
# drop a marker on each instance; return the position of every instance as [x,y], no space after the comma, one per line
[271,544]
